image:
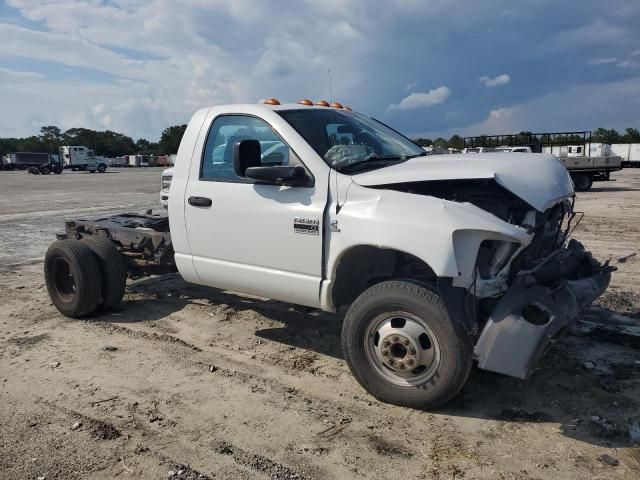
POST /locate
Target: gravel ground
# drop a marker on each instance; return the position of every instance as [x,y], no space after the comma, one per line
[188,382]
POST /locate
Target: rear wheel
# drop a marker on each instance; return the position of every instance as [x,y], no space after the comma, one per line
[102,168]
[57,169]
[45,170]
[402,347]
[114,274]
[72,276]
[582,182]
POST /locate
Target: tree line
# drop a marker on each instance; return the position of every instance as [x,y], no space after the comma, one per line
[600,135]
[112,144]
[104,143]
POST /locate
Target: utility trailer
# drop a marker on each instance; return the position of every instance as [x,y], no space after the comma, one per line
[586,161]
[34,162]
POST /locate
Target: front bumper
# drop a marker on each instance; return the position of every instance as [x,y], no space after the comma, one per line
[537,309]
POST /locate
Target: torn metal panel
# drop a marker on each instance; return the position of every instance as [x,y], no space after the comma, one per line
[532,314]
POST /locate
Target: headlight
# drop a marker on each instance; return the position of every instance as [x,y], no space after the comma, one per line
[166,182]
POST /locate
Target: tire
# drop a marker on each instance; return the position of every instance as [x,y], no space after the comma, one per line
[45,170]
[444,357]
[582,182]
[112,269]
[57,169]
[72,276]
[102,168]
[33,171]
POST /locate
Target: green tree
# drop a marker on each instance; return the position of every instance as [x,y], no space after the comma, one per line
[423,142]
[170,139]
[631,135]
[456,142]
[602,135]
[52,137]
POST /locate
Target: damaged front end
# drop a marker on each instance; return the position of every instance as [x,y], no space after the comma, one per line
[538,306]
[529,295]
[524,292]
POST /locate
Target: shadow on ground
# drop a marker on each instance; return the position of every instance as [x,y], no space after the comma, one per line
[614,189]
[590,404]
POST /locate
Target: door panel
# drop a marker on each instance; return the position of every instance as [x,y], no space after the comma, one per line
[242,235]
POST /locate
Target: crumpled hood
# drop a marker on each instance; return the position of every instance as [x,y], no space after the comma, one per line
[538,179]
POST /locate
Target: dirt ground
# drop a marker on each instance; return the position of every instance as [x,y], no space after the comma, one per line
[187,382]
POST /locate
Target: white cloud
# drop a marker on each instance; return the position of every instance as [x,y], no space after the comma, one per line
[598,32]
[603,61]
[422,99]
[496,81]
[584,107]
[153,63]
[627,64]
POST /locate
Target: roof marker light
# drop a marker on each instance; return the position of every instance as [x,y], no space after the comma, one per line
[272,101]
[337,105]
[348,109]
[323,103]
[305,101]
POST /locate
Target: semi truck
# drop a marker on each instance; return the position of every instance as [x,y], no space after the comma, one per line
[434,262]
[79,158]
[34,162]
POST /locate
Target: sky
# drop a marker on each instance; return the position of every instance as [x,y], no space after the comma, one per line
[426,67]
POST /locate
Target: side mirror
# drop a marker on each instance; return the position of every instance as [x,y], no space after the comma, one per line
[246,154]
[279,175]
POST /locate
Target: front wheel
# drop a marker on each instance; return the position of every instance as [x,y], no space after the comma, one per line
[402,347]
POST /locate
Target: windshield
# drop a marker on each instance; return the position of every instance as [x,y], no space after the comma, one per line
[346,139]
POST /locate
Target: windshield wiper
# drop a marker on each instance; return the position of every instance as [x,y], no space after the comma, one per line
[374,160]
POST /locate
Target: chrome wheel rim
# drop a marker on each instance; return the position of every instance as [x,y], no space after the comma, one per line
[402,348]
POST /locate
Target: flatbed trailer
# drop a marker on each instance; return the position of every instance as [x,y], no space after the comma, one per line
[586,161]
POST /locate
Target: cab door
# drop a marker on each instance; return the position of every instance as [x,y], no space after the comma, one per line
[249,237]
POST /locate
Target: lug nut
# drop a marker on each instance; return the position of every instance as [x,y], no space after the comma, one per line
[411,362]
[395,339]
[401,365]
[385,352]
[405,341]
[386,343]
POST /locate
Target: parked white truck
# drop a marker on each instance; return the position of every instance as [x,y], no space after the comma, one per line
[437,261]
[586,162]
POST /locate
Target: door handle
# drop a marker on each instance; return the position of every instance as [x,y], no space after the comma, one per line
[200,201]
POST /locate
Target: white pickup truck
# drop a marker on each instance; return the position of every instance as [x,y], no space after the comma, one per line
[435,261]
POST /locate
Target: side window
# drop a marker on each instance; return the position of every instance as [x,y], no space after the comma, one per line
[217,162]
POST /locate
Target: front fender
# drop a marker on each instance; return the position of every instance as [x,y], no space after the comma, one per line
[443,234]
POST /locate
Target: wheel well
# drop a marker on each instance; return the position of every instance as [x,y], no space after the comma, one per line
[363,266]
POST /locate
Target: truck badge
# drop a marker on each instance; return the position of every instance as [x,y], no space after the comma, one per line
[307,226]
